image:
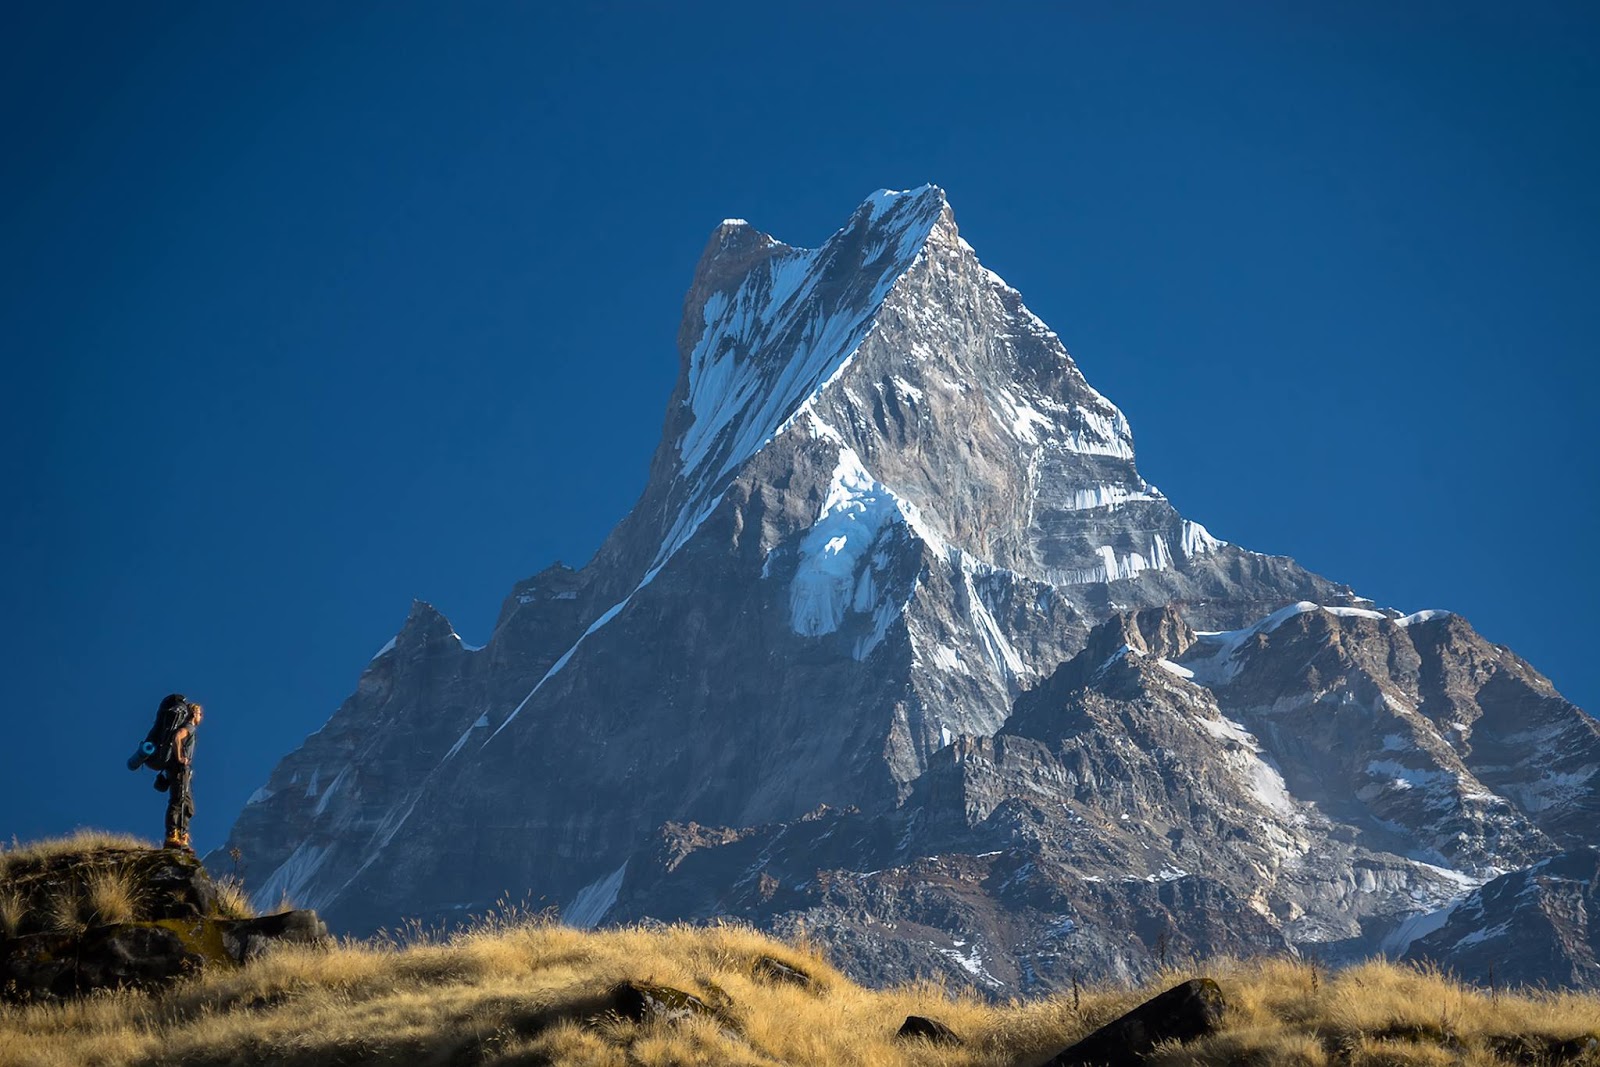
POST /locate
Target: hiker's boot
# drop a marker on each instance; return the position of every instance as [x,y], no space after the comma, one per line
[179,840]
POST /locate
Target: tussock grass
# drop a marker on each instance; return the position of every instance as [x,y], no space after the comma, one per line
[67,912]
[68,884]
[74,844]
[523,990]
[1289,1012]
[111,895]
[232,901]
[13,907]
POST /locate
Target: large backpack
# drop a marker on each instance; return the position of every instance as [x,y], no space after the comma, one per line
[156,750]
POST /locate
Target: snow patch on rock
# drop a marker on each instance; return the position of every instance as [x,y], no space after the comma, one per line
[1423,616]
[291,878]
[833,574]
[333,787]
[1197,540]
[1114,566]
[1104,496]
[588,909]
[770,347]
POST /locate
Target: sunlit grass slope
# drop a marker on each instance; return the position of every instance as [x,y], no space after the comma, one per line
[519,990]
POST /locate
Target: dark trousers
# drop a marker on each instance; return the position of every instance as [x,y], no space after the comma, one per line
[180,801]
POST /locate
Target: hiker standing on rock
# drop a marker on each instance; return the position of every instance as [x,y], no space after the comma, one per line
[180,801]
[169,750]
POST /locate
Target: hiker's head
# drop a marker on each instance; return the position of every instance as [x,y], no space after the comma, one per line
[196,713]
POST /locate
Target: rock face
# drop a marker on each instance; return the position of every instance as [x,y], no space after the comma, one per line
[106,918]
[899,645]
[1541,924]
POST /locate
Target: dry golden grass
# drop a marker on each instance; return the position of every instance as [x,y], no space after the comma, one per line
[111,895]
[1283,1011]
[526,991]
[232,901]
[67,912]
[76,843]
[69,884]
[13,906]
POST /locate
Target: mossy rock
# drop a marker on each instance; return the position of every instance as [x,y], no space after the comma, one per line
[646,1002]
[169,925]
[138,955]
[142,955]
[55,892]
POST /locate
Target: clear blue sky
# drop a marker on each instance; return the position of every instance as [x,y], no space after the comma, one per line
[310,309]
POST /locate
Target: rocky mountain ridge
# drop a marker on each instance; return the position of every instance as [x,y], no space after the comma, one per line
[897,643]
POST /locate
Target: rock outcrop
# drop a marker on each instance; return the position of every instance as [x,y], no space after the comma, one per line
[113,917]
[1540,924]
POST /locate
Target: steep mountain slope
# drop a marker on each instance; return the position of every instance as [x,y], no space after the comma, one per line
[1167,793]
[849,622]
[1537,925]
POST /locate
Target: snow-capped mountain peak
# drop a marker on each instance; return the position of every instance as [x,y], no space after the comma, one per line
[772,338]
[897,620]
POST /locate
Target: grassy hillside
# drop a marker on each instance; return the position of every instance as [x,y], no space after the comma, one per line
[523,990]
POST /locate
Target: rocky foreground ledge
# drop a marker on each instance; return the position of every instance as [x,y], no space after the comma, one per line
[99,912]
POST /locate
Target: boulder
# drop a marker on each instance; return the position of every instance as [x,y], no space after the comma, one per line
[245,939]
[166,922]
[1182,1013]
[920,1026]
[643,1002]
[774,970]
[142,955]
[167,884]
[1543,1049]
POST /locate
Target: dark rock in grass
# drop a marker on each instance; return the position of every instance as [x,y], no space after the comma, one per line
[138,955]
[246,939]
[929,1029]
[142,955]
[1540,1050]
[1182,1013]
[778,971]
[1420,1034]
[643,1002]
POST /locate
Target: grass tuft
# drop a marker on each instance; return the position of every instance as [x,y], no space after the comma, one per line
[66,913]
[232,901]
[13,908]
[111,896]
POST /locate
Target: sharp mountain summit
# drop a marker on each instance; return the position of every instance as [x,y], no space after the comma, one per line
[898,646]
